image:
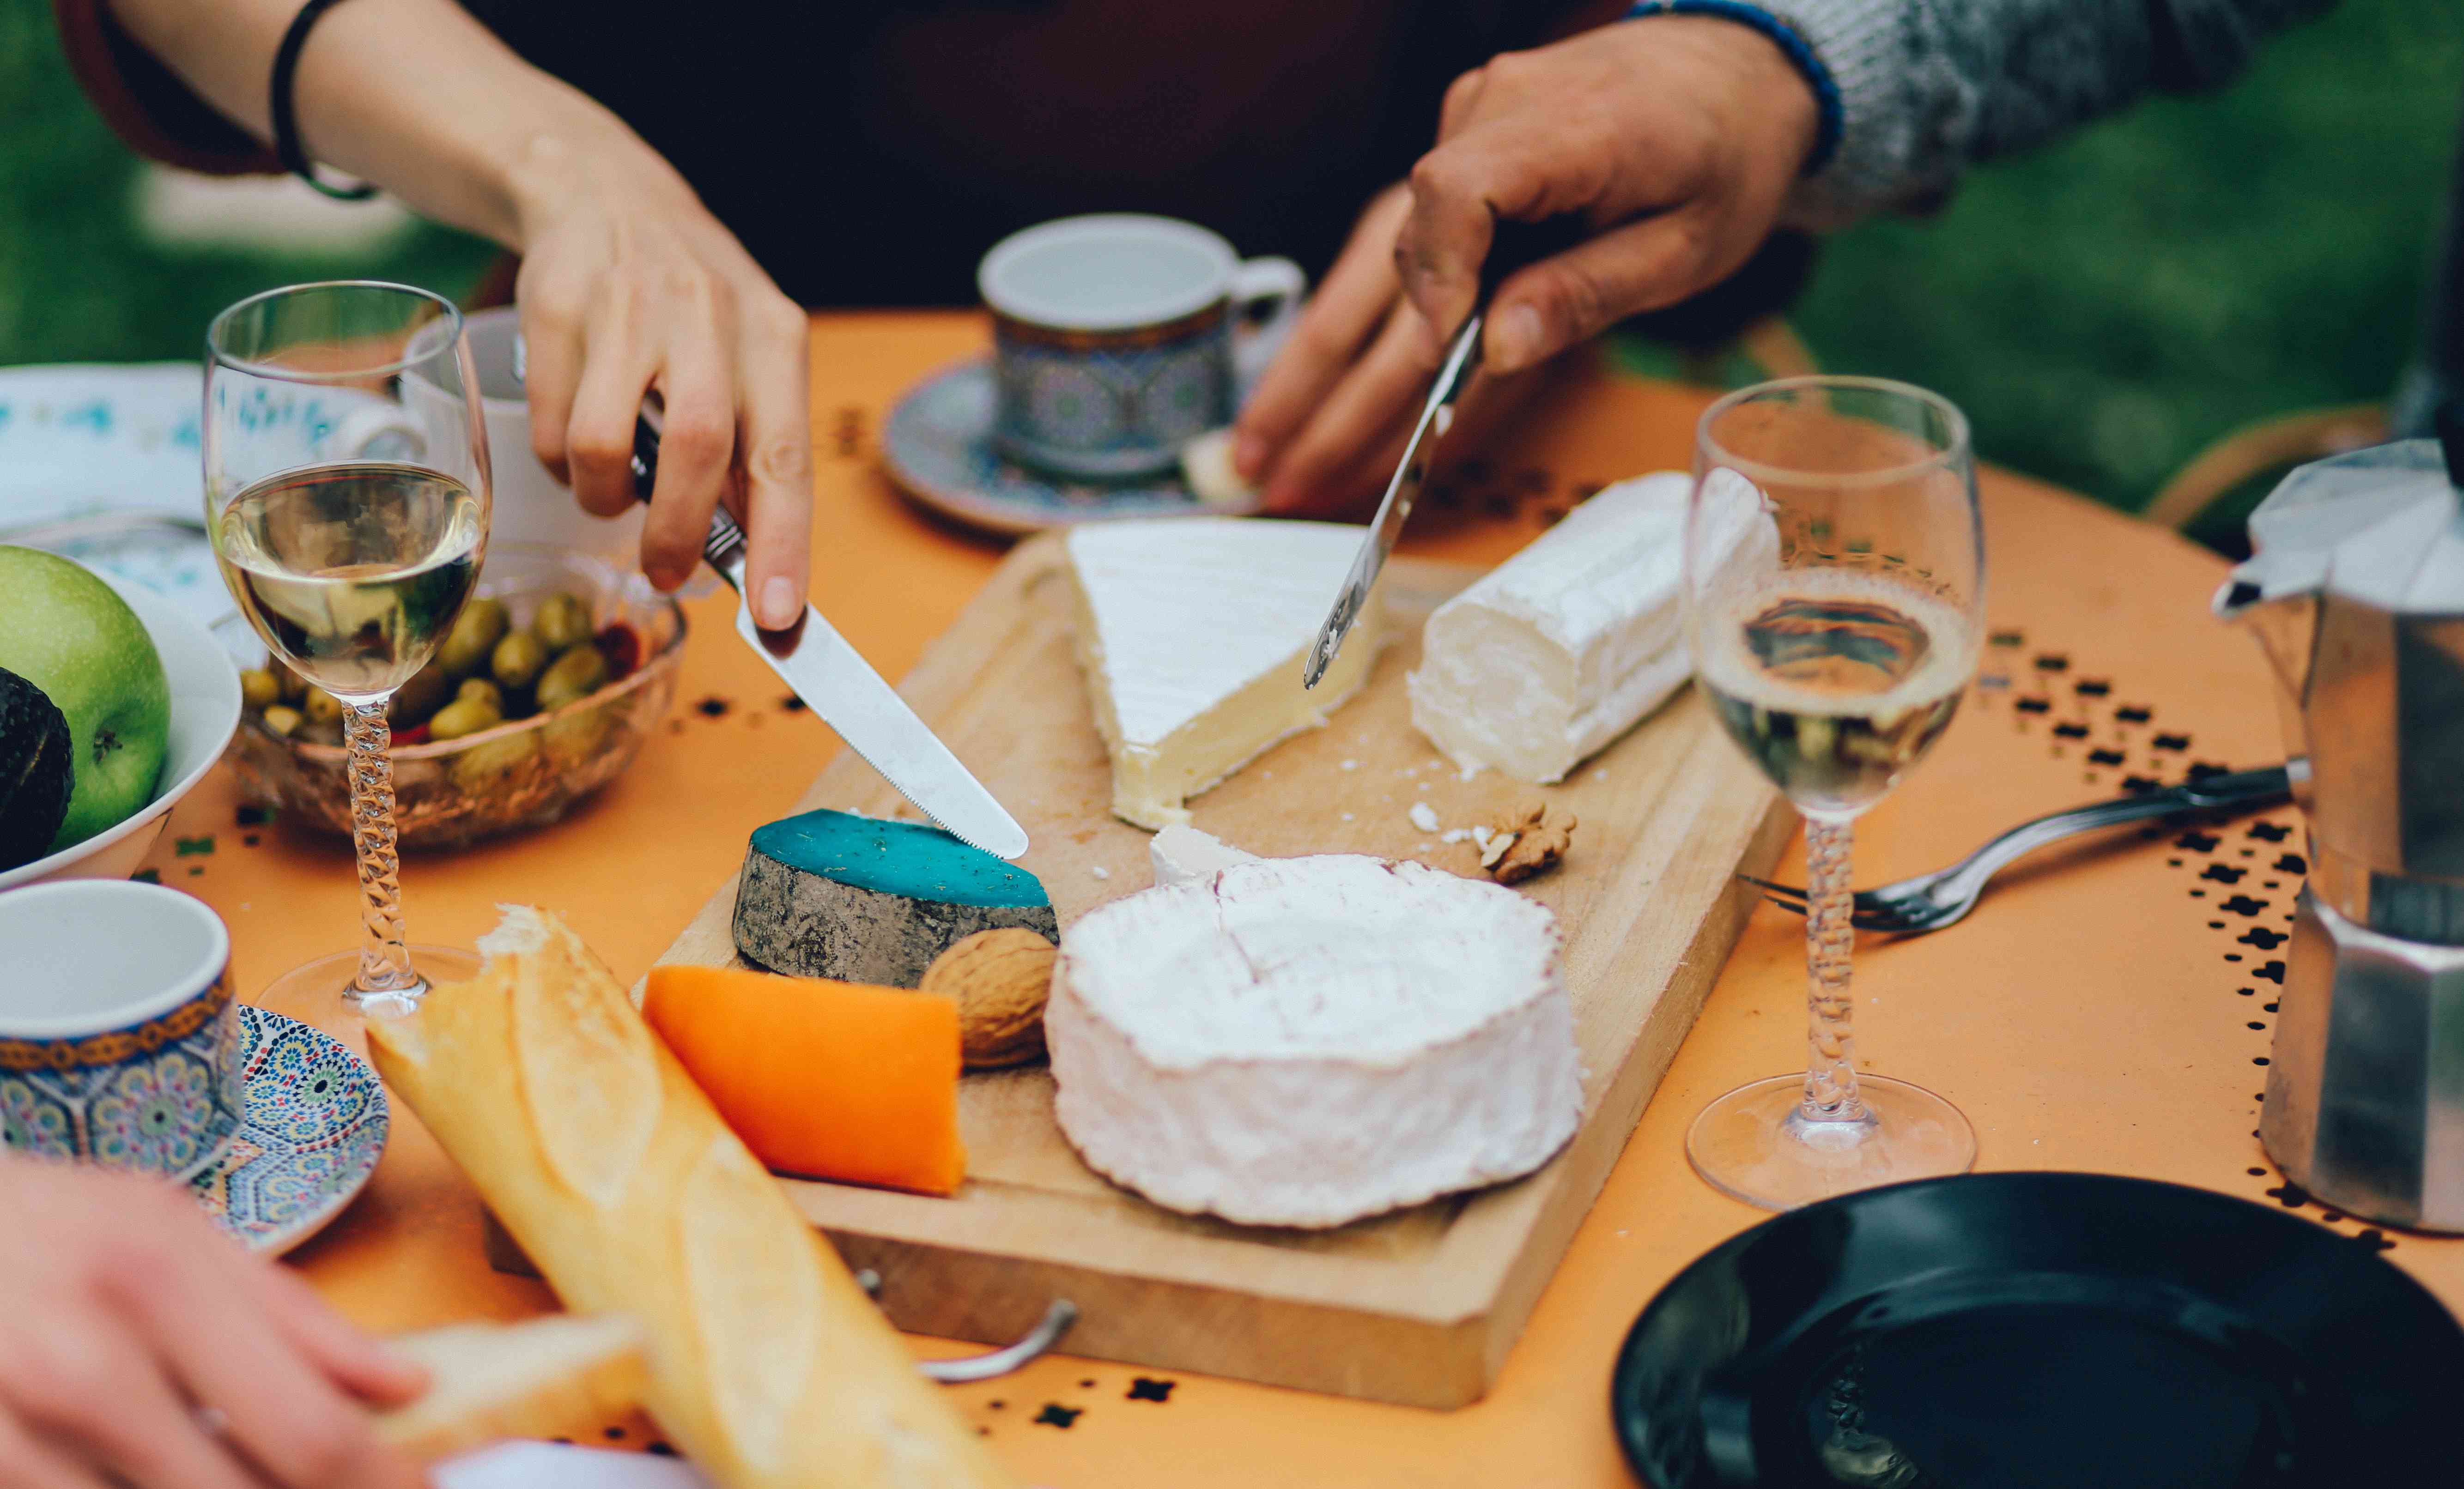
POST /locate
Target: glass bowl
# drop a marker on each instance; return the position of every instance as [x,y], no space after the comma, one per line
[523,773]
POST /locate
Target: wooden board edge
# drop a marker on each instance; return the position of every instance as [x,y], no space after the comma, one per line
[950,1293]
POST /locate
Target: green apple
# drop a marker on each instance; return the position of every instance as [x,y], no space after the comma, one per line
[63,630]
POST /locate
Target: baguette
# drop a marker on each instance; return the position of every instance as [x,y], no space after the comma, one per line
[550,1377]
[768,1367]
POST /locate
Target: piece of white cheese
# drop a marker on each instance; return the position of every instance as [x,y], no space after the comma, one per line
[1184,855]
[1191,632]
[1305,1042]
[1206,466]
[1561,649]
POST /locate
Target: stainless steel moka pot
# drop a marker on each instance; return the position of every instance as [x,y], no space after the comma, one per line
[2355,590]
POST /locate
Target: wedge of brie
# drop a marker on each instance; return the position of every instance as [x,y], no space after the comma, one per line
[1309,1040]
[1561,649]
[1191,630]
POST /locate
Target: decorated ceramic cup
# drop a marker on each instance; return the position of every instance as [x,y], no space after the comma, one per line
[119,1039]
[1117,339]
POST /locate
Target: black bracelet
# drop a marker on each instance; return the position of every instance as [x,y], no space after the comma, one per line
[286,120]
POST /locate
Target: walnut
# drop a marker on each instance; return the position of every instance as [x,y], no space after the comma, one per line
[1000,979]
[1526,842]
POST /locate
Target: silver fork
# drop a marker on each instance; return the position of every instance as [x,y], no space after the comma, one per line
[1929,902]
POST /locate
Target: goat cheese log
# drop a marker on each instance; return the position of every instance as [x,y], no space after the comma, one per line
[1550,656]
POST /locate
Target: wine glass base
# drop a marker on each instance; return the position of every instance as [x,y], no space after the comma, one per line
[1755,1145]
[318,992]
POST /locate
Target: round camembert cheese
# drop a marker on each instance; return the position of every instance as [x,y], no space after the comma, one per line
[1305,1042]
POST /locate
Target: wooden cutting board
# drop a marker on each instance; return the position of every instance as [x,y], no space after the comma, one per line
[1418,1306]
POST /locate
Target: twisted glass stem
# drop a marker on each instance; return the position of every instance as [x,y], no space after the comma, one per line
[384,961]
[1831,1068]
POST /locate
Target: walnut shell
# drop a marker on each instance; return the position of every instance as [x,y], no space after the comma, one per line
[1000,979]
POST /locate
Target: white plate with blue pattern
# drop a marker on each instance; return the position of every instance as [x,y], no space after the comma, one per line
[938,446]
[312,1129]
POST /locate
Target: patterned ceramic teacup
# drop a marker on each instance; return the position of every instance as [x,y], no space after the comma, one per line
[119,1039]
[1118,338]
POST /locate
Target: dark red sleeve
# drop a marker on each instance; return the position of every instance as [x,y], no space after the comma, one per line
[148,106]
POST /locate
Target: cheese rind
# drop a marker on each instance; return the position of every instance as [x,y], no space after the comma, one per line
[856,899]
[1305,1042]
[1563,648]
[1191,631]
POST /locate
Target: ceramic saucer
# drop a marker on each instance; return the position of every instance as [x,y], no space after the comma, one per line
[938,445]
[312,1128]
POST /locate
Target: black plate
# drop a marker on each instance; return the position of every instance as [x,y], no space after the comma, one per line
[2041,1332]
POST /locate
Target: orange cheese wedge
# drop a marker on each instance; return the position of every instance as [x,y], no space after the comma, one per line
[827,1080]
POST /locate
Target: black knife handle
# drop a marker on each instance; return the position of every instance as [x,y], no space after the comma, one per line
[724,547]
[1515,246]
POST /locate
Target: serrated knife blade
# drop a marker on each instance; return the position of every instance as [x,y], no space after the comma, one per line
[836,683]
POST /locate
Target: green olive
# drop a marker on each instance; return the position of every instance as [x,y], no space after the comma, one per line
[476,630]
[427,692]
[282,719]
[485,764]
[484,691]
[463,717]
[562,621]
[320,707]
[576,674]
[259,689]
[576,739]
[518,660]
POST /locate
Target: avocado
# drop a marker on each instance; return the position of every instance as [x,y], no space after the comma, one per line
[35,774]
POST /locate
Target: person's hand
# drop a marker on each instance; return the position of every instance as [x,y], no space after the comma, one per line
[140,1348]
[627,283]
[1676,138]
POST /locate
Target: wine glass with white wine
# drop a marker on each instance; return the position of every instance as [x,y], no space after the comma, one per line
[349,525]
[1834,595]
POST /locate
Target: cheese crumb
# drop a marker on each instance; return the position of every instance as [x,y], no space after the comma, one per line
[1468,771]
[1480,834]
[1351,765]
[1456,834]
[1100,871]
[1424,817]
[1347,817]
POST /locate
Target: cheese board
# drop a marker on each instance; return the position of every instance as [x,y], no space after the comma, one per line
[1416,1306]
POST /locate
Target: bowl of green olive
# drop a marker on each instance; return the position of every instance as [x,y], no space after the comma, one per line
[554,674]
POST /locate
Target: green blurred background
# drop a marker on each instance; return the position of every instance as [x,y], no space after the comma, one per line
[2103,309]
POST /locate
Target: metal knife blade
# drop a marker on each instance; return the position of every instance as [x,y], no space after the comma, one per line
[1513,244]
[1395,507]
[836,683]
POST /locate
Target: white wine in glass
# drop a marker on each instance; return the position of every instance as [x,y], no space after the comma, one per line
[349,525]
[1835,599]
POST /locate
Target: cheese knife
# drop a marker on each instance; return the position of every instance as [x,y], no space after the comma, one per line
[1513,244]
[836,683]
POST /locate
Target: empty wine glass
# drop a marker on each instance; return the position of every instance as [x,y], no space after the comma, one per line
[1835,600]
[349,516]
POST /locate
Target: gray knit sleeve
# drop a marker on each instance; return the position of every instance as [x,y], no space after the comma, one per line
[1928,87]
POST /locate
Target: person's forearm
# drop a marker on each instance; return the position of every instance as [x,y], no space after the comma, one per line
[414,95]
[1930,87]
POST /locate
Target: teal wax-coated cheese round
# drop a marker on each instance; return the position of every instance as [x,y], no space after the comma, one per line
[830,894]
[910,858]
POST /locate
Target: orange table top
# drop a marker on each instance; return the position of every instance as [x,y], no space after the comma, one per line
[2104,1009]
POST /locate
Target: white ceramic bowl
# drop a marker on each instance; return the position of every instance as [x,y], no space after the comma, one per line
[204,710]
